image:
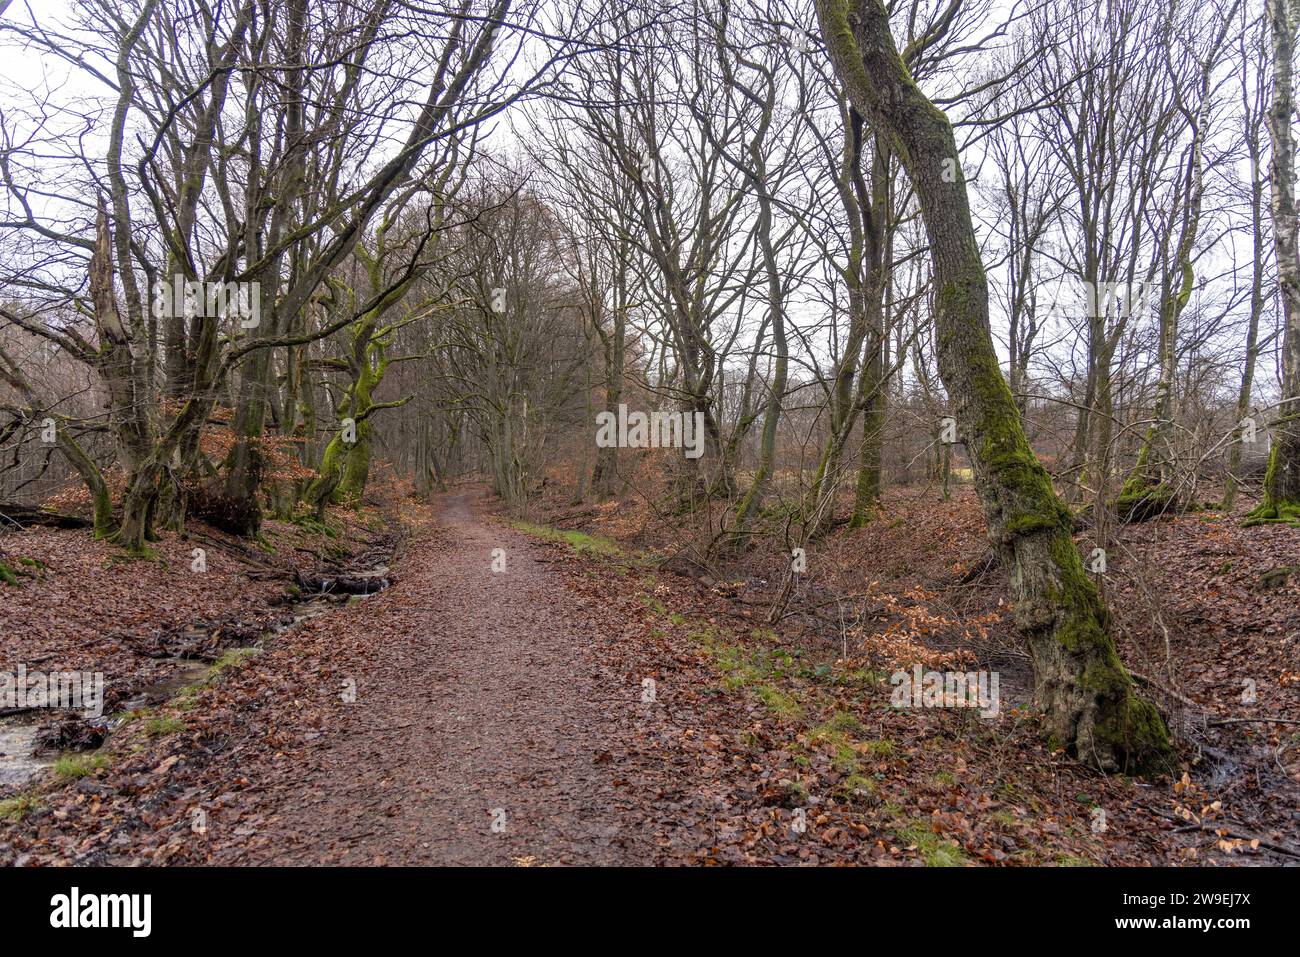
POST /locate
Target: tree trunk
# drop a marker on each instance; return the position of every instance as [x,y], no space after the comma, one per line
[1087,695]
[867,494]
[753,500]
[1282,480]
[1256,310]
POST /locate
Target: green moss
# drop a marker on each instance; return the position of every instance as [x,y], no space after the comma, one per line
[1141,499]
[311,524]
[1273,509]
[1028,523]
[1276,577]
[105,527]
[1136,734]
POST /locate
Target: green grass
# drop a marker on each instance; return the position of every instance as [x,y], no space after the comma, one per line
[935,851]
[778,702]
[756,670]
[846,759]
[582,543]
[16,808]
[843,721]
[73,766]
[163,724]
[882,748]
[855,783]
[654,604]
[229,659]
[1005,818]
[187,697]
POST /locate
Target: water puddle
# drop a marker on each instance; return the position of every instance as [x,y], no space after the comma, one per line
[185,673]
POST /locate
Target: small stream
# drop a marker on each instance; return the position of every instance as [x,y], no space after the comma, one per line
[19,732]
[17,741]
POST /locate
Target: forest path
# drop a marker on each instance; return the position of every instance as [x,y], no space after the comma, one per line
[480,727]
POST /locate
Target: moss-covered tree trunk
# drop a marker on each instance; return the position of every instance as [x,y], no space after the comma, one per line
[1088,698]
[345,467]
[1282,480]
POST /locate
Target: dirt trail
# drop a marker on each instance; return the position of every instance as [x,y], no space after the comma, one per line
[480,694]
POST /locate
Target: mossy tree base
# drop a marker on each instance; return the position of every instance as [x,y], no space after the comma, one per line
[1281,503]
[1286,513]
[1087,697]
[1141,501]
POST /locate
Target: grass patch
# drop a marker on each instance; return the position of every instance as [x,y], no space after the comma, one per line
[935,851]
[858,785]
[187,697]
[73,766]
[846,759]
[778,702]
[844,722]
[882,748]
[16,808]
[581,543]
[654,604]
[757,669]
[163,724]
[230,659]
